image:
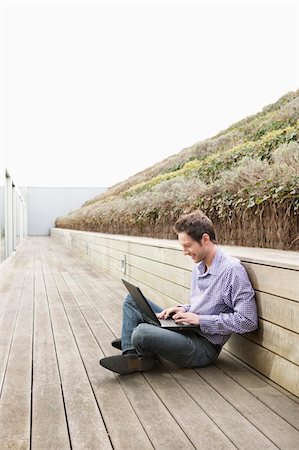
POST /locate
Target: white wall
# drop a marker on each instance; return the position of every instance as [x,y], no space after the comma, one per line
[45,204]
[13,217]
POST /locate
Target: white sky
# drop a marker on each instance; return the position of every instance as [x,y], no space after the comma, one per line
[96,91]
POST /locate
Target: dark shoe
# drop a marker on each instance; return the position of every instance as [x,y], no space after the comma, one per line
[129,363]
[116,343]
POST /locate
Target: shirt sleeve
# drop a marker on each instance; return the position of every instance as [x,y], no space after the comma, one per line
[238,295]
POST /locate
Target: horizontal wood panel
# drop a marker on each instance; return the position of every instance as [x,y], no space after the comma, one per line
[274,280]
[177,292]
[162,270]
[173,257]
[172,274]
[277,339]
[278,310]
[108,264]
[150,292]
[273,366]
[108,260]
[181,276]
[166,256]
[263,256]
[272,308]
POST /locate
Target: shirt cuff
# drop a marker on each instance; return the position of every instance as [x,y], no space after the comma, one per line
[186,307]
[208,324]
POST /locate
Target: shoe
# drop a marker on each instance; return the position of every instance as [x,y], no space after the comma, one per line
[116,343]
[129,363]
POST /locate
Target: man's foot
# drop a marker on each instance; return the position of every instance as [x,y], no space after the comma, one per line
[116,343]
[128,363]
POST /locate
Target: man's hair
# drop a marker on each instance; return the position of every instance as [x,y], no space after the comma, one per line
[195,224]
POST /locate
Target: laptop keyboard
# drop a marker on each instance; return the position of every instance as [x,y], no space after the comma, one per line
[168,322]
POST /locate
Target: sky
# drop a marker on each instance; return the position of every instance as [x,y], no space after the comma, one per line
[94,92]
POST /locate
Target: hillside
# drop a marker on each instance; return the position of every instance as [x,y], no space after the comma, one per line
[246,179]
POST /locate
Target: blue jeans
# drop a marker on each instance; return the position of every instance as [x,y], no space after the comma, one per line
[187,350]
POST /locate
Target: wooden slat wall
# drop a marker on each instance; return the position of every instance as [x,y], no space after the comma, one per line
[163,272]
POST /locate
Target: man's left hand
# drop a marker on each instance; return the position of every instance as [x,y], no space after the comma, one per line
[186,317]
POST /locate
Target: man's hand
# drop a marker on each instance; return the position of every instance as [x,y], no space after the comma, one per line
[186,317]
[169,312]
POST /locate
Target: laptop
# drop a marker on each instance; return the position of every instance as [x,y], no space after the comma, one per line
[150,316]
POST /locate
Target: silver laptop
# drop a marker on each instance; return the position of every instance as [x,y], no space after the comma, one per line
[150,316]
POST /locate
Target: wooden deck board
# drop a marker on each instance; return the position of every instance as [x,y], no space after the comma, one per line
[49,425]
[257,413]
[286,407]
[58,315]
[86,426]
[15,402]
[111,399]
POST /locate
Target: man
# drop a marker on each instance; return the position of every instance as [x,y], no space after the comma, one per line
[221,302]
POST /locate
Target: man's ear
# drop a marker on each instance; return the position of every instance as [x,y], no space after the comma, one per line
[205,238]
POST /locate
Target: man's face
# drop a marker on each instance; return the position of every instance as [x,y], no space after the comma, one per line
[197,250]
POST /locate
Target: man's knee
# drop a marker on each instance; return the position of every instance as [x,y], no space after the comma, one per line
[141,334]
[128,300]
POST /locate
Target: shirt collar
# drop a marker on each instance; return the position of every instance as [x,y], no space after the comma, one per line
[213,269]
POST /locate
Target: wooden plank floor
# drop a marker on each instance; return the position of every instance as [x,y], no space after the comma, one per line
[58,316]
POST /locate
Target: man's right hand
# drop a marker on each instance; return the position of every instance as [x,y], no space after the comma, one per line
[169,312]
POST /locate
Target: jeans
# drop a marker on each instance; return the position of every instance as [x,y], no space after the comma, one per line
[188,349]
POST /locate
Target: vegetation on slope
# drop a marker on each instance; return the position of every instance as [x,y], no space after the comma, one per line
[246,179]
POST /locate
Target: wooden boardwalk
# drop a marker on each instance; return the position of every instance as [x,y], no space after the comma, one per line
[58,316]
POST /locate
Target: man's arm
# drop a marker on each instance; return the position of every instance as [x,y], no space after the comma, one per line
[239,295]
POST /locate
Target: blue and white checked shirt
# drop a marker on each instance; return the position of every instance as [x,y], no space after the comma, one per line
[223,297]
